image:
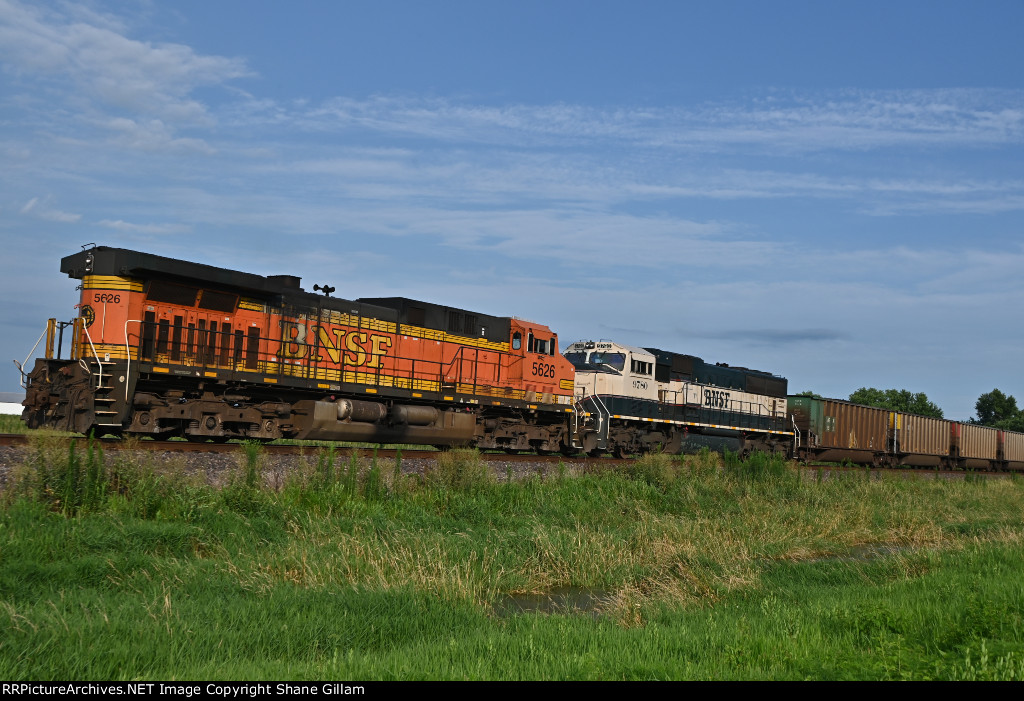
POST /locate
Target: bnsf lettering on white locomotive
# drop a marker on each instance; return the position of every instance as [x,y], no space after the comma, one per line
[716,398]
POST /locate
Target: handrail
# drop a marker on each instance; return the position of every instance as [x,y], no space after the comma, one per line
[21,366]
[606,418]
[128,352]
[96,355]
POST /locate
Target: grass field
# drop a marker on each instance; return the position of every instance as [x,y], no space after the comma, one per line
[11,423]
[686,569]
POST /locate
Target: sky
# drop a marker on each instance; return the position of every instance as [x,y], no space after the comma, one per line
[833,192]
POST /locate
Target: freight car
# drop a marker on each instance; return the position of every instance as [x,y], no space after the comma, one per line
[164,347]
[835,430]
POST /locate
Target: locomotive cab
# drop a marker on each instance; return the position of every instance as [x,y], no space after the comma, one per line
[534,359]
[612,368]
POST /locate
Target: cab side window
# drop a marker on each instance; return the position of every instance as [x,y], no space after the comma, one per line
[639,367]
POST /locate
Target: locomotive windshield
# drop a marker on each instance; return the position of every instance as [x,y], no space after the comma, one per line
[577,359]
[615,360]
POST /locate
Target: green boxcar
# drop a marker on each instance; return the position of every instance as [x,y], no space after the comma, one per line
[834,430]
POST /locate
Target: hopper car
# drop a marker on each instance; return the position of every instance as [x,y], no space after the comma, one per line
[832,430]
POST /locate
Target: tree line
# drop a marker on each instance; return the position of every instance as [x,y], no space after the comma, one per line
[993,408]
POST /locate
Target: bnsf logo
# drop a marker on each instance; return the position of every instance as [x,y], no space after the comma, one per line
[716,398]
[357,347]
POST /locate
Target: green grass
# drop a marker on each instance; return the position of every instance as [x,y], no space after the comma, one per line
[115,568]
[11,423]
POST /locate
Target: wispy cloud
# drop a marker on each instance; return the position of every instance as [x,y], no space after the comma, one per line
[775,336]
[119,225]
[88,54]
[42,210]
[58,216]
[781,122]
[153,135]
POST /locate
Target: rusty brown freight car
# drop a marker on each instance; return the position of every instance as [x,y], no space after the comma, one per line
[1013,450]
[834,430]
[921,440]
[975,446]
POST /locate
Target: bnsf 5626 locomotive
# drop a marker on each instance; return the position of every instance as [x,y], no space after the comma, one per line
[164,347]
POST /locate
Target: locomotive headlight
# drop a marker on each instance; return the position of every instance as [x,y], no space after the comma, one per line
[88,262]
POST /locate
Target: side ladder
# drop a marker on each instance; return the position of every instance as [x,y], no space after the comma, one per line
[595,418]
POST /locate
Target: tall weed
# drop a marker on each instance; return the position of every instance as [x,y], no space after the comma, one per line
[1008,668]
[656,469]
[460,470]
[704,462]
[758,465]
[59,477]
[244,493]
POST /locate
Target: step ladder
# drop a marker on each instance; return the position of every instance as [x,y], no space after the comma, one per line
[596,417]
[102,387]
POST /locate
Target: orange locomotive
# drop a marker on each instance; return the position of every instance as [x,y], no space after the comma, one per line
[165,347]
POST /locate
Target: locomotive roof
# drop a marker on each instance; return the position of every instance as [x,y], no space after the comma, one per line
[283,290]
[450,319]
[280,289]
[666,357]
[127,263]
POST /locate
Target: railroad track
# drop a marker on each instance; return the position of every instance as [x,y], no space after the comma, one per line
[21,439]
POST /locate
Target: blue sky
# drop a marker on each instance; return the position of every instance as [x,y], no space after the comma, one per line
[830,191]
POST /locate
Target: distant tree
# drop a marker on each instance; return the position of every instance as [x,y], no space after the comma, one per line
[1015,423]
[994,408]
[870,396]
[897,400]
[809,393]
